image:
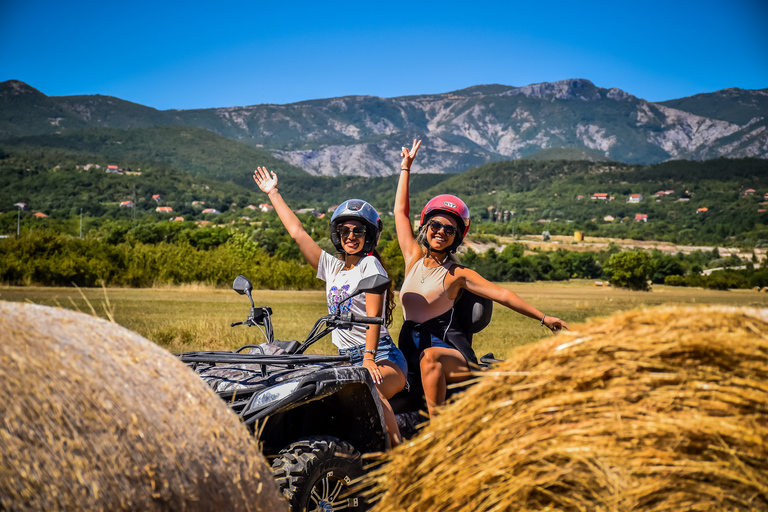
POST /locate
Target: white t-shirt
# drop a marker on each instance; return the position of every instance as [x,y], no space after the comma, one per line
[338,286]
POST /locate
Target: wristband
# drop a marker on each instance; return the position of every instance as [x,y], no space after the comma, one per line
[404,169]
[542,319]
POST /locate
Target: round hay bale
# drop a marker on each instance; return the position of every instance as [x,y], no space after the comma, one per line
[658,409]
[95,417]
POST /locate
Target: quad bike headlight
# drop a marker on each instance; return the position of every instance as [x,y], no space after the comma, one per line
[273,394]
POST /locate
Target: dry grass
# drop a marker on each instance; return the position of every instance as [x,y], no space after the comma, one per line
[658,409]
[196,317]
[94,417]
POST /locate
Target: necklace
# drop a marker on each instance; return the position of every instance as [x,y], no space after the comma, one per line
[431,269]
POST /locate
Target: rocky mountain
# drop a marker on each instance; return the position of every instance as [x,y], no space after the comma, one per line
[362,135]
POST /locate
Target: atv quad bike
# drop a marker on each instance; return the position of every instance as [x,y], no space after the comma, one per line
[313,415]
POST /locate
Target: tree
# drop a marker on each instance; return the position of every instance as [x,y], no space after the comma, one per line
[629,270]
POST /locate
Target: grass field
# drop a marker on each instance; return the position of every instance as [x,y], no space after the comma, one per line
[192,318]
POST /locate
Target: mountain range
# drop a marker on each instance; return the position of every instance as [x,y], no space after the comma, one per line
[362,135]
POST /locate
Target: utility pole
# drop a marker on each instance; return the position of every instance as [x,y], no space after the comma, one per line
[18,224]
[81,223]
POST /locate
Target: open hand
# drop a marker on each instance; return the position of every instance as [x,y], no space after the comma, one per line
[555,324]
[409,155]
[372,367]
[263,179]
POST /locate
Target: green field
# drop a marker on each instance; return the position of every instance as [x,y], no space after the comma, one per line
[195,318]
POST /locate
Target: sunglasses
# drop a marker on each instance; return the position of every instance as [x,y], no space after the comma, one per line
[436,226]
[345,231]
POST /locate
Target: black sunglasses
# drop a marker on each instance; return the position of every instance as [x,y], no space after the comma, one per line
[345,231]
[436,226]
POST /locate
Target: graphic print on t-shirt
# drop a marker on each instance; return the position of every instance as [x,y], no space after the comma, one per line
[337,295]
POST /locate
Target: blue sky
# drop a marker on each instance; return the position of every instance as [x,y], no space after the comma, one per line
[198,54]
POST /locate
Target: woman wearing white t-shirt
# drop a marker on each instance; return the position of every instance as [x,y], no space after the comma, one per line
[355,231]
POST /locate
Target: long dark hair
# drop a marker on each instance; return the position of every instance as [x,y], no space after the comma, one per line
[389,307]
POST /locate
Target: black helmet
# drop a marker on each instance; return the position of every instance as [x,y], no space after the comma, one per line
[361,211]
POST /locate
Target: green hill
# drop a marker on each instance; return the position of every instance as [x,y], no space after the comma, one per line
[53,184]
[190,149]
[545,196]
[568,153]
[51,177]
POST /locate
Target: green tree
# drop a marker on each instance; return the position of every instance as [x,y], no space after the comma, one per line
[393,261]
[629,270]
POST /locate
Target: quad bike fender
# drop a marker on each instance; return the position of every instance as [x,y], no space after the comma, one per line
[345,405]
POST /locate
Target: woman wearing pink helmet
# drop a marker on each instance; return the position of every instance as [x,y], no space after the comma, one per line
[431,338]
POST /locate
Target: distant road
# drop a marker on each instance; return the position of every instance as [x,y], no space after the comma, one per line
[597,244]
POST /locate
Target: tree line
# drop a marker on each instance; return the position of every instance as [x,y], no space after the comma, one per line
[148,253]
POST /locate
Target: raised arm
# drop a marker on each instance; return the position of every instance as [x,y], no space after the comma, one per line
[307,246]
[408,244]
[475,283]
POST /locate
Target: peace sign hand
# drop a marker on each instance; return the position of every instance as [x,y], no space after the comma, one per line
[263,179]
[408,156]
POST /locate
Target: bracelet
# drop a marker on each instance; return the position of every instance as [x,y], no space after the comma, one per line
[404,169]
[370,351]
[369,359]
[542,319]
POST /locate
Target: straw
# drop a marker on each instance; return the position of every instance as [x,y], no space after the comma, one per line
[654,410]
[94,417]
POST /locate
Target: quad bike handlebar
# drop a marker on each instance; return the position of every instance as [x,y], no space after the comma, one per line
[262,316]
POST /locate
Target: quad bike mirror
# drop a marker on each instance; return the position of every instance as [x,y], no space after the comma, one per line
[372,284]
[243,286]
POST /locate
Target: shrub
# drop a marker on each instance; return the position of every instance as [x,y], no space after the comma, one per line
[675,281]
[629,270]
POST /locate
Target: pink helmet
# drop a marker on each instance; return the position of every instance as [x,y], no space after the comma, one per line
[452,205]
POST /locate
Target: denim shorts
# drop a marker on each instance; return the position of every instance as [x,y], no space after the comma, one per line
[387,350]
[433,342]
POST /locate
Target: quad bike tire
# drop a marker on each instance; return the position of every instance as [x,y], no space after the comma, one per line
[315,473]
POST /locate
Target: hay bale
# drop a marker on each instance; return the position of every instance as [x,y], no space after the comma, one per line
[95,417]
[659,409]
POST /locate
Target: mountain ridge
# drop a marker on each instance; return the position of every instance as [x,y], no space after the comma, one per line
[361,135]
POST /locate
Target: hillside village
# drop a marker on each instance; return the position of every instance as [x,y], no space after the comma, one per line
[496,216]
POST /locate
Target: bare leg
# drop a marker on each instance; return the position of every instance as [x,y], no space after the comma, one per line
[437,366]
[393,381]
